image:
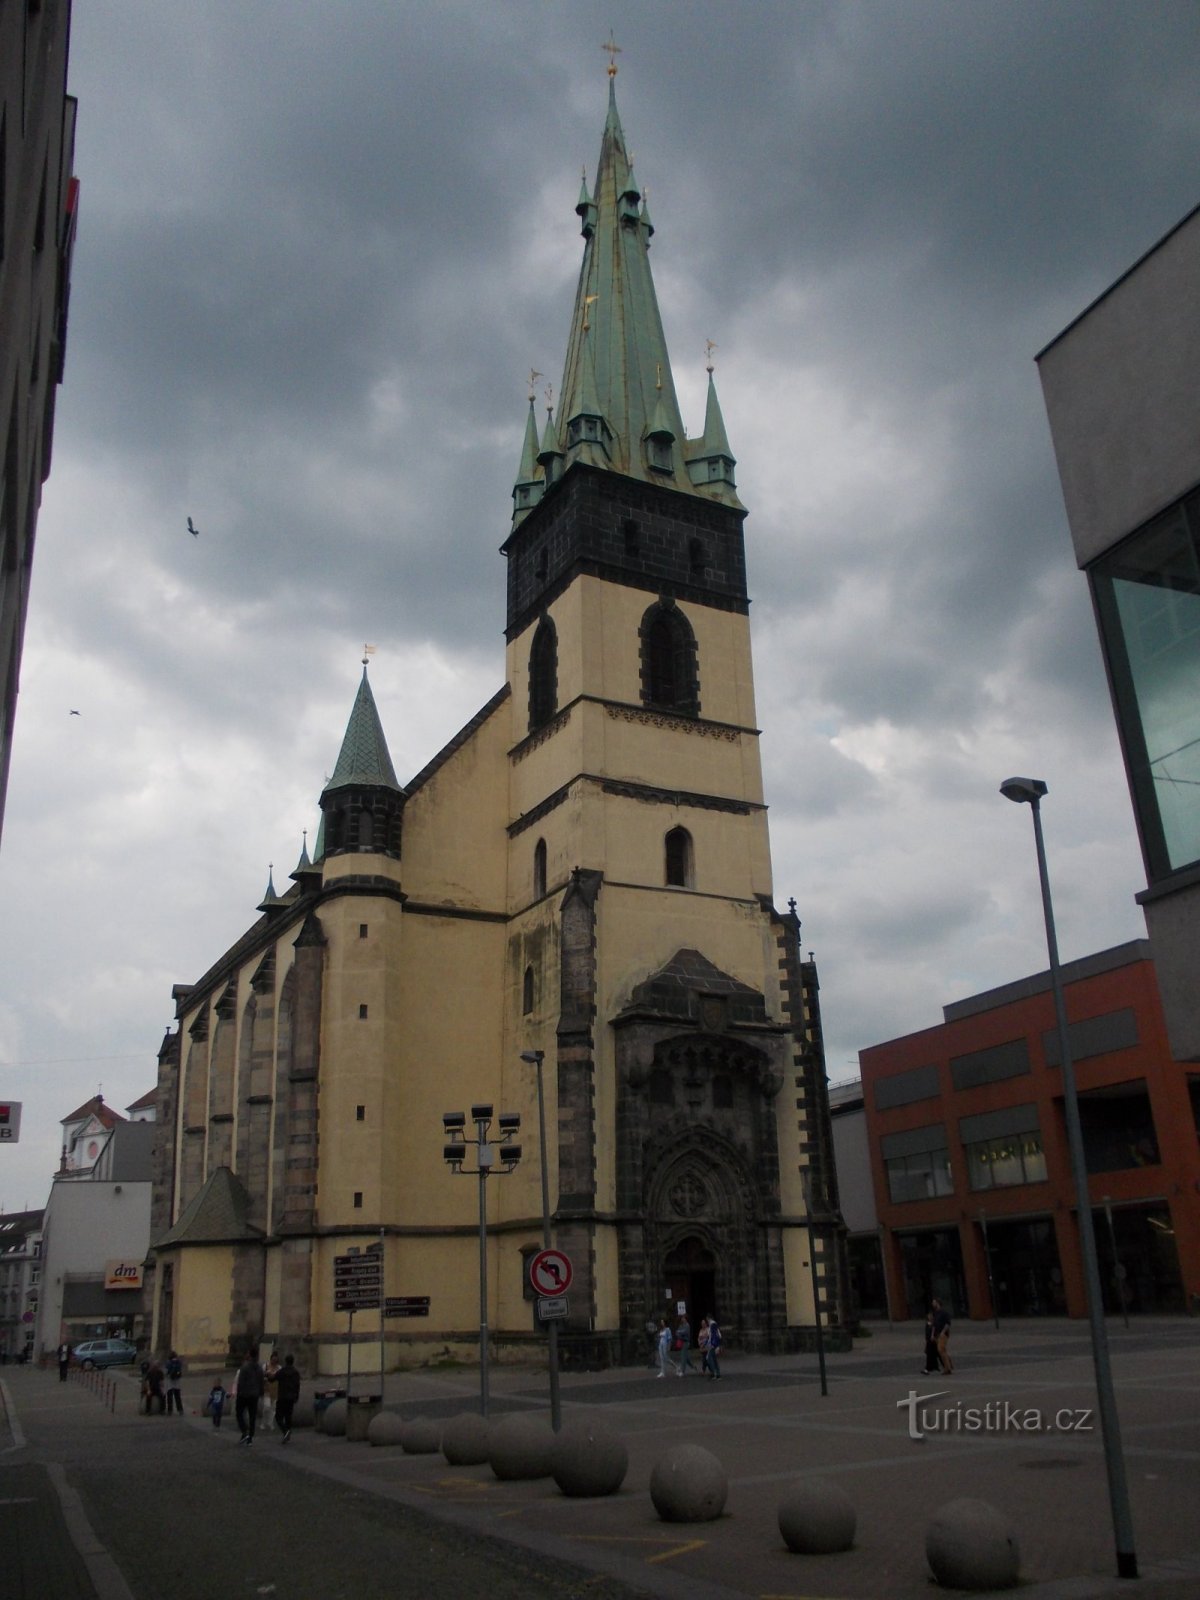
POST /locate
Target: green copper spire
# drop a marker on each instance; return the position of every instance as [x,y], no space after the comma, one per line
[364,758]
[527,490]
[710,460]
[617,407]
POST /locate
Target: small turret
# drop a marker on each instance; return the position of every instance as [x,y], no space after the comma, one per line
[362,804]
[531,483]
[710,461]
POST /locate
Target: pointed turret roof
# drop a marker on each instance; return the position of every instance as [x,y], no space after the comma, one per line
[527,490]
[364,757]
[617,390]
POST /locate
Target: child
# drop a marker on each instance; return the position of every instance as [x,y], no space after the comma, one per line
[216,1403]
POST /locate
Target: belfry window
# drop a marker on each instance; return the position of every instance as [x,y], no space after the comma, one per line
[527,992]
[670,678]
[543,675]
[539,869]
[679,864]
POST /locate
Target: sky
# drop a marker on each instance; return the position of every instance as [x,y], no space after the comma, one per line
[320,247]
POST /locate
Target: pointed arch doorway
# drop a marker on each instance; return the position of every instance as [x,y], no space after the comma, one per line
[690,1275]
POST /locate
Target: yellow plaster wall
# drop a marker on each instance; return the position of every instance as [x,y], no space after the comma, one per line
[201,1320]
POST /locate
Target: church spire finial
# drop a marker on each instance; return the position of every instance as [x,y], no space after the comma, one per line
[613,50]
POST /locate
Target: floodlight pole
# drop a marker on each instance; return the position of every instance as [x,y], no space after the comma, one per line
[1029,791]
[536,1057]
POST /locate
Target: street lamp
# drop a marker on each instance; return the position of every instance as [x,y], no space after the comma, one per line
[1029,791]
[535,1058]
[806,1179]
[508,1154]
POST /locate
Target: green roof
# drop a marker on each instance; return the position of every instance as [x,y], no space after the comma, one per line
[364,758]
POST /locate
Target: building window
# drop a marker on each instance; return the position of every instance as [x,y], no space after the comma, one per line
[360,1113]
[543,675]
[362,930]
[539,869]
[670,679]
[631,535]
[1011,1159]
[679,865]
[696,556]
[358,1199]
[921,1176]
[1147,594]
[362,1013]
[527,992]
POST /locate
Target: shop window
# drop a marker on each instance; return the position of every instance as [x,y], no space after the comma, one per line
[1011,1159]
[921,1176]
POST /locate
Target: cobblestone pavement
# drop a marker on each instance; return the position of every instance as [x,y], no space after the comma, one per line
[766,1421]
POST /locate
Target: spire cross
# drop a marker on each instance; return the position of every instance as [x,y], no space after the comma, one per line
[614,50]
[549,393]
[533,377]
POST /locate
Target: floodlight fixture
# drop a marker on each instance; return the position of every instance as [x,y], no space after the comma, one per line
[481,1113]
[453,1122]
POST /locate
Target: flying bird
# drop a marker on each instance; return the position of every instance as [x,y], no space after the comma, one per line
[74,713]
[193,529]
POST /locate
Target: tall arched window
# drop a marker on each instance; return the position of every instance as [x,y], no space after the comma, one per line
[670,678]
[539,869]
[527,992]
[543,675]
[678,851]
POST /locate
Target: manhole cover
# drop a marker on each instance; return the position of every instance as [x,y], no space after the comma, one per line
[1051,1463]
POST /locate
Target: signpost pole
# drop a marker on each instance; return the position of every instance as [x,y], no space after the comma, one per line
[555,1401]
[349,1349]
[382,1303]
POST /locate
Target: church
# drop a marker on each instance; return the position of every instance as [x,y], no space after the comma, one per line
[583,871]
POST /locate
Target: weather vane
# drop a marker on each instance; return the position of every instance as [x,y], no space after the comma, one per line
[549,393]
[534,375]
[709,346]
[614,50]
[368,652]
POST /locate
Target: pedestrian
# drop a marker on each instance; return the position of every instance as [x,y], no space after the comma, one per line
[683,1344]
[64,1361]
[941,1334]
[715,1341]
[702,1341]
[287,1392]
[216,1403]
[247,1394]
[270,1375]
[652,1325]
[664,1345]
[154,1387]
[931,1352]
[174,1374]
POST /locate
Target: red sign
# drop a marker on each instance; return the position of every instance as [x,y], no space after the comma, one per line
[550,1273]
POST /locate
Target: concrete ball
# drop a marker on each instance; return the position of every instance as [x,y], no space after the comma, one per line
[333,1419]
[688,1484]
[304,1412]
[465,1439]
[521,1447]
[971,1545]
[816,1518]
[385,1427]
[588,1459]
[421,1436]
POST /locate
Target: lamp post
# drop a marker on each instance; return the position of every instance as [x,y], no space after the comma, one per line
[508,1125]
[1029,791]
[535,1058]
[806,1177]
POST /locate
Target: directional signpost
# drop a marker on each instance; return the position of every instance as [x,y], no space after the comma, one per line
[406,1305]
[358,1286]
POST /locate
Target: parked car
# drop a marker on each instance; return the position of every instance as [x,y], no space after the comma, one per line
[105,1353]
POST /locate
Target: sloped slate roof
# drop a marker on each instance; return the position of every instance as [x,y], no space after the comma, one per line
[217,1215]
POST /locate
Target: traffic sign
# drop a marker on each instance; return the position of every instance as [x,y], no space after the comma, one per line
[406,1305]
[550,1273]
[552,1308]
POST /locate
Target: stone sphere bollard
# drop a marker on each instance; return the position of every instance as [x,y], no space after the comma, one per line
[588,1459]
[333,1419]
[465,1439]
[421,1436]
[971,1545]
[816,1518]
[385,1427]
[521,1447]
[688,1484]
[304,1412]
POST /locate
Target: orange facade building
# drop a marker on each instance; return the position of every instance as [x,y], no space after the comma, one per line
[969,1149]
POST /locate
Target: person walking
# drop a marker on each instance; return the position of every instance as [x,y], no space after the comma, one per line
[683,1344]
[270,1376]
[702,1341]
[248,1393]
[154,1387]
[664,1346]
[287,1392]
[941,1334]
[64,1361]
[216,1403]
[715,1341]
[931,1350]
[174,1374]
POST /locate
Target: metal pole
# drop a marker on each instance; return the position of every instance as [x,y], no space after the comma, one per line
[1118,1269]
[987,1262]
[349,1350]
[382,1302]
[881,1231]
[812,1262]
[555,1400]
[1114,1459]
[485,1156]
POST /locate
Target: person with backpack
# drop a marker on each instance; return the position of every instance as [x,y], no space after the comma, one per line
[287,1392]
[174,1374]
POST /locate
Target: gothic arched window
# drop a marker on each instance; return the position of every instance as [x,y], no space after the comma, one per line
[539,869]
[527,992]
[678,852]
[670,678]
[543,675]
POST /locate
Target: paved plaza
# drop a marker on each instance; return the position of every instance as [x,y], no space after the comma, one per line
[768,1424]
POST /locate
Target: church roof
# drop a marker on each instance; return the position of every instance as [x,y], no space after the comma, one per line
[364,757]
[617,366]
[95,1107]
[218,1214]
[150,1098]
